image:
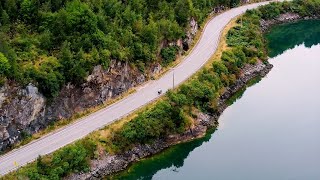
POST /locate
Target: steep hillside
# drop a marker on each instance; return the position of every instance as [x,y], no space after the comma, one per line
[59,58]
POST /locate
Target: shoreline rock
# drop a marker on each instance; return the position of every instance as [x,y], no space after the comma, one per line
[110,164]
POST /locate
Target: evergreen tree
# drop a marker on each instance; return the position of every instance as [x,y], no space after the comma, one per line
[5,19]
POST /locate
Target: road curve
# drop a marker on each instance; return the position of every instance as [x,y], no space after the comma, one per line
[201,53]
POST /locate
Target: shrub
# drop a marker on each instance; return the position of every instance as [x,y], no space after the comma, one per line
[72,158]
[4,65]
[168,54]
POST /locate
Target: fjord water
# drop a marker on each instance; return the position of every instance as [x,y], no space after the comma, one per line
[271,132]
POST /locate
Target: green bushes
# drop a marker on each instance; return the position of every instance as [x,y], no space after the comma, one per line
[83,33]
[72,158]
[271,11]
[168,54]
[4,68]
[302,7]
[168,116]
[163,119]
[4,65]
[171,114]
[307,30]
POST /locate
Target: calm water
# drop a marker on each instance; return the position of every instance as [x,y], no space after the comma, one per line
[271,132]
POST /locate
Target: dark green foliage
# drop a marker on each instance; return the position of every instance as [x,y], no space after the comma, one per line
[169,116]
[73,158]
[168,54]
[306,32]
[161,120]
[302,7]
[183,9]
[80,34]
[5,19]
[11,7]
[234,59]
[219,67]
[4,65]
[29,11]
[246,45]
[271,11]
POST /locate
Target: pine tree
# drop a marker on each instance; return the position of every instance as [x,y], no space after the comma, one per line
[5,19]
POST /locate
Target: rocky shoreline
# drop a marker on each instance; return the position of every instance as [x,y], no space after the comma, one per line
[110,164]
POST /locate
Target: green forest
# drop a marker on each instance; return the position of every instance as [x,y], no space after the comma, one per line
[246,46]
[171,114]
[51,42]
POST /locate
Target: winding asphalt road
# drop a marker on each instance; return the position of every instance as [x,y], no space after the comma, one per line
[201,53]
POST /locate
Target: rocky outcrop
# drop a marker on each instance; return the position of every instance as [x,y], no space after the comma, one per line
[101,86]
[185,43]
[248,72]
[283,18]
[19,108]
[24,111]
[191,33]
[218,9]
[108,164]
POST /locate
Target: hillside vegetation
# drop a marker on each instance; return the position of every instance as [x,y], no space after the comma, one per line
[51,42]
[173,113]
[246,45]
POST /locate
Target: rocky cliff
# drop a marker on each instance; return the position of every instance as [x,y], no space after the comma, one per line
[25,111]
[20,107]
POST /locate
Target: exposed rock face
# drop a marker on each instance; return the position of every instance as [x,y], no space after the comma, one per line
[18,110]
[23,110]
[109,164]
[183,44]
[26,111]
[219,9]
[193,29]
[101,86]
[248,72]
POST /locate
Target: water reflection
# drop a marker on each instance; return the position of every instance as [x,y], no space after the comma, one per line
[270,133]
[172,158]
[287,36]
